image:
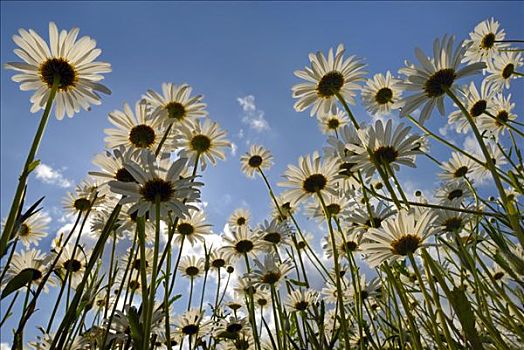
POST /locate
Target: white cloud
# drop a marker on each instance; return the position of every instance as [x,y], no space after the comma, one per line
[51,176]
[5,346]
[253,117]
[234,148]
[471,145]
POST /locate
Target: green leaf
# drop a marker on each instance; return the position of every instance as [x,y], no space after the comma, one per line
[298,283]
[32,166]
[134,325]
[22,279]
[465,315]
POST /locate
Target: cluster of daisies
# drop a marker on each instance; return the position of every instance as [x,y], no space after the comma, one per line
[387,269]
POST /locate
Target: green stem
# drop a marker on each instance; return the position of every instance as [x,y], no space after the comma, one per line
[340,299]
[9,227]
[508,205]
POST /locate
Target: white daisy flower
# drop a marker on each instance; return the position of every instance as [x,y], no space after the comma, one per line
[495,123]
[192,266]
[29,260]
[382,94]
[312,176]
[301,300]
[361,220]
[274,234]
[191,324]
[66,59]
[33,229]
[241,242]
[206,141]
[484,42]
[501,69]
[258,158]
[239,219]
[72,265]
[326,78]
[137,130]
[157,181]
[433,77]
[459,166]
[270,272]
[192,227]
[477,103]
[332,121]
[111,165]
[453,192]
[399,236]
[383,145]
[176,105]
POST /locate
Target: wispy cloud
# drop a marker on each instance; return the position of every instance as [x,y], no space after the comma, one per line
[50,176]
[234,149]
[253,117]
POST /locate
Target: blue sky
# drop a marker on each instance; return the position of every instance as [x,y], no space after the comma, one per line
[225,51]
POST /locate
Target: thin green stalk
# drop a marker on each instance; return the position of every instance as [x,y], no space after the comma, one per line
[508,205]
[402,295]
[427,298]
[17,200]
[343,322]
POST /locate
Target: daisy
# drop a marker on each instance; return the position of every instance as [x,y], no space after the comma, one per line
[362,220]
[459,166]
[137,130]
[385,146]
[239,219]
[270,272]
[434,77]
[327,78]
[258,158]
[451,222]
[337,205]
[75,203]
[69,61]
[33,229]
[111,165]
[191,324]
[301,300]
[30,260]
[192,227]
[341,148]
[477,103]
[501,70]
[176,105]
[495,122]
[241,242]
[205,142]
[132,281]
[346,245]
[368,289]
[138,262]
[218,259]
[157,183]
[283,208]
[453,193]
[232,328]
[72,265]
[497,156]
[399,236]
[312,177]
[192,266]
[484,43]
[274,234]
[382,94]
[332,121]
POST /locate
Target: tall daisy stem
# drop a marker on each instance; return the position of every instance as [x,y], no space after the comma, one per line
[513,213]
[28,167]
[343,322]
[348,111]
